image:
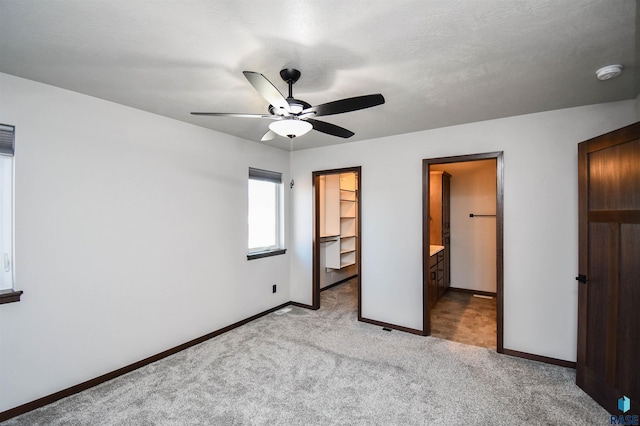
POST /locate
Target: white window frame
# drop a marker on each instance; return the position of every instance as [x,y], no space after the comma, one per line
[278,248]
[7,216]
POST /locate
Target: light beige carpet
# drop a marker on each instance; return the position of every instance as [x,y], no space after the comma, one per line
[325,368]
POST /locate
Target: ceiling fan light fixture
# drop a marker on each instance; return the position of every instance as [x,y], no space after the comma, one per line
[291,127]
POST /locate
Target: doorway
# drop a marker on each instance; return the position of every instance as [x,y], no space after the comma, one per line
[463,293]
[337,237]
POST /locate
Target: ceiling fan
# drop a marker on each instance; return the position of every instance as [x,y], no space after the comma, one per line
[293,117]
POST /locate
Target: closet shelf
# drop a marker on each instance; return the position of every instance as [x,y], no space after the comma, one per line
[341,205]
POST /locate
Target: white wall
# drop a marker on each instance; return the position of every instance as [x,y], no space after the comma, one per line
[637,104]
[540,235]
[473,240]
[131,237]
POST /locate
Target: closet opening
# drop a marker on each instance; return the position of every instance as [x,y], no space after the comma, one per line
[462,216]
[337,237]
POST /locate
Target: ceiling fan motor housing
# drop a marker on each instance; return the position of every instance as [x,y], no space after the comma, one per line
[290,75]
[295,105]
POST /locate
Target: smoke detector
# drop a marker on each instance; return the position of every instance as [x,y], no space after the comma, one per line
[609,72]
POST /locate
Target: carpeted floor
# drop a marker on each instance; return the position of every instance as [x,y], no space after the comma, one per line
[326,368]
[463,318]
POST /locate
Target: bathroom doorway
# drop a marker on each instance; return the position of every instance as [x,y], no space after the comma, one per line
[462,249]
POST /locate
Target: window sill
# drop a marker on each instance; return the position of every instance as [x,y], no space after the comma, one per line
[9,296]
[262,254]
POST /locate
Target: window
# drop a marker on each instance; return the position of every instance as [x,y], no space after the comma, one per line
[7,138]
[265,218]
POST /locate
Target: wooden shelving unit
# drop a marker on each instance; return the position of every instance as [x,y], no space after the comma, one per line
[339,218]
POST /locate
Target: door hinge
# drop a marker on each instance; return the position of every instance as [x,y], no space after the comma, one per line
[582,279]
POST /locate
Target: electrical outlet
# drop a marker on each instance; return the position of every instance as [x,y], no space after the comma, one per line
[274,288]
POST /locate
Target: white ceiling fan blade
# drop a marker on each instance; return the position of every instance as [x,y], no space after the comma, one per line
[269,135]
[267,90]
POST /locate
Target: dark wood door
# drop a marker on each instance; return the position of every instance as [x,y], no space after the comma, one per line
[608,364]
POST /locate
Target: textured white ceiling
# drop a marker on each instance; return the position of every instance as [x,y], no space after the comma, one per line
[437,62]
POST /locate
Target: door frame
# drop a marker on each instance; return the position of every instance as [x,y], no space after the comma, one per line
[426,163]
[315,177]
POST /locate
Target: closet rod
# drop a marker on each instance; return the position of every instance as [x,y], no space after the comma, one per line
[481,215]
